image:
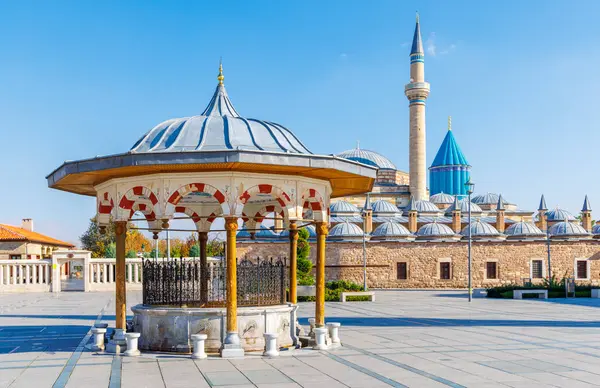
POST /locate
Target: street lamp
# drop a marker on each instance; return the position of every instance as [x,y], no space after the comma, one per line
[469,186]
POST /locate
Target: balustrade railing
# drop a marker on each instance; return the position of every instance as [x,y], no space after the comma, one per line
[101,274]
[25,275]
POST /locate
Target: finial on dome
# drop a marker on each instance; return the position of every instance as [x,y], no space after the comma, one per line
[417,16]
[449,123]
[358,144]
[221,77]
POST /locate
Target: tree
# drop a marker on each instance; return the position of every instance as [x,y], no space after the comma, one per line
[131,254]
[195,251]
[92,240]
[110,251]
[304,265]
[137,242]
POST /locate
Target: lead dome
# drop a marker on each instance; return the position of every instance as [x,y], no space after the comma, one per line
[219,128]
[370,158]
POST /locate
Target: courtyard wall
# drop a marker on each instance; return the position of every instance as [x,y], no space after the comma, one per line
[513,261]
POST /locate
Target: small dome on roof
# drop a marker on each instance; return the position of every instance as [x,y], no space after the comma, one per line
[435,230]
[423,206]
[568,229]
[596,229]
[559,215]
[343,207]
[370,158]
[312,233]
[487,199]
[441,199]
[463,205]
[480,229]
[523,229]
[383,206]
[263,233]
[345,231]
[391,231]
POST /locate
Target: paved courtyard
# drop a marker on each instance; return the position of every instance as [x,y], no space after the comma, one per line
[405,338]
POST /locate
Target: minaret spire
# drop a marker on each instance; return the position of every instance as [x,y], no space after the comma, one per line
[221,77]
[417,91]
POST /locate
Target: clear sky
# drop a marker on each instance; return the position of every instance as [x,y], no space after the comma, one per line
[83,78]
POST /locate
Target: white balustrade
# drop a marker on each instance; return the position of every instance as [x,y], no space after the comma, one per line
[24,275]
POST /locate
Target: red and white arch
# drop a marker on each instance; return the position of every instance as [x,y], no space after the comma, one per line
[138,199]
[312,202]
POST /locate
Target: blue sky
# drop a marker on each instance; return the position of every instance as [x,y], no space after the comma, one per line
[520,79]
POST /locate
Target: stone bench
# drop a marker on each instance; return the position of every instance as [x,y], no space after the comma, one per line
[306,290]
[370,294]
[542,294]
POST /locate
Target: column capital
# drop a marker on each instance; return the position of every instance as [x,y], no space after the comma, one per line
[231,224]
[293,229]
[203,236]
[322,228]
[120,227]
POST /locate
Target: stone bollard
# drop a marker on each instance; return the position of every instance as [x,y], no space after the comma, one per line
[320,338]
[132,344]
[334,334]
[271,345]
[311,323]
[198,346]
[99,333]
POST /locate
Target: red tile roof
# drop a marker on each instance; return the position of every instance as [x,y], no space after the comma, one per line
[13,233]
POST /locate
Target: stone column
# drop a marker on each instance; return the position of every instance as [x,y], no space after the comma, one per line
[322,232]
[120,291]
[293,261]
[203,239]
[231,345]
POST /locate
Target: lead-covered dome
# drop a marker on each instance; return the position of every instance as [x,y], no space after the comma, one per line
[559,215]
[382,207]
[488,199]
[442,199]
[566,229]
[596,229]
[370,158]
[481,230]
[219,128]
[435,231]
[345,231]
[522,229]
[463,206]
[391,231]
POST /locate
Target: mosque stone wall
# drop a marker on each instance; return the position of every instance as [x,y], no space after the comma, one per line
[344,261]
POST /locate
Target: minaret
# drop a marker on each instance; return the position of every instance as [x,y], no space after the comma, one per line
[417,92]
[586,215]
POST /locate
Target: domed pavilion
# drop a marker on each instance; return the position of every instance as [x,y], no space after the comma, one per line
[216,165]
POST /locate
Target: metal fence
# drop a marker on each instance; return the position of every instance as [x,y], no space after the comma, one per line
[186,282]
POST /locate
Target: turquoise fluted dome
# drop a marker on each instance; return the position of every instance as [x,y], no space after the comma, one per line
[450,169]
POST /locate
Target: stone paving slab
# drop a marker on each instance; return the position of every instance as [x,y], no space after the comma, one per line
[404,339]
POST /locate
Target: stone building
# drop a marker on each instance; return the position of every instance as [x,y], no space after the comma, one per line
[23,243]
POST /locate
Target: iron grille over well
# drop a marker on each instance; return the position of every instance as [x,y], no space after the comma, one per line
[187,283]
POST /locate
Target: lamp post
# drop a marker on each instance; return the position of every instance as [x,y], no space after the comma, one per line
[364,240]
[548,244]
[469,186]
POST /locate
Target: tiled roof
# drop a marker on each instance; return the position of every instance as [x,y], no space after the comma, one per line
[13,233]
